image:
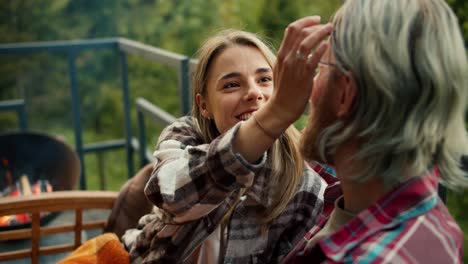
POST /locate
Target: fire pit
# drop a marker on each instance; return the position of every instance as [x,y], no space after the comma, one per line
[33,163]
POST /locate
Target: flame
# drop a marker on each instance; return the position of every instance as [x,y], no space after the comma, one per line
[37,188]
[23,218]
[5,220]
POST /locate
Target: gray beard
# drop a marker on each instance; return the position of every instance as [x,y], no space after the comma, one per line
[319,118]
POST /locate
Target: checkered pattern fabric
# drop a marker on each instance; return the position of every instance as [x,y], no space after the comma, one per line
[195,183]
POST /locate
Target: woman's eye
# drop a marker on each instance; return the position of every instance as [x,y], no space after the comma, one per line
[265,79]
[230,85]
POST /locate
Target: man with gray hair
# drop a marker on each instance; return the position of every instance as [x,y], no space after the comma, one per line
[387,111]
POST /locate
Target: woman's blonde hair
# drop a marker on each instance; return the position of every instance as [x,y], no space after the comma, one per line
[285,160]
[410,66]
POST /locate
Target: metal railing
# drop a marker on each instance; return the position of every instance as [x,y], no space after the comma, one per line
[18,107]
[145,108]
[124,47]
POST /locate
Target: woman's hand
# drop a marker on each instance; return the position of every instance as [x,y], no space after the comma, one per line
[293,77]
[295,67]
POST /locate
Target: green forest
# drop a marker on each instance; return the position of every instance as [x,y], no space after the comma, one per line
[178,26]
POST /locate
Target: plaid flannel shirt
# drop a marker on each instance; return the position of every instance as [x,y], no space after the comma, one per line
[195,184]
[408,225]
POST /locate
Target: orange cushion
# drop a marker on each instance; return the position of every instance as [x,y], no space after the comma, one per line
[105,248]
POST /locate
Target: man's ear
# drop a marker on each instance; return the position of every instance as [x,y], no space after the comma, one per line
[347,95]
[202,106]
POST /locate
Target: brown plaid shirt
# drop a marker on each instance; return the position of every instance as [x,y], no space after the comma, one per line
[196,183]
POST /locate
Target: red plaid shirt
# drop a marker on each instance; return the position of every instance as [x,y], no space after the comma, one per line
[408,225]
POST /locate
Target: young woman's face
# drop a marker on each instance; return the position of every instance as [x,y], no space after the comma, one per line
[240,82]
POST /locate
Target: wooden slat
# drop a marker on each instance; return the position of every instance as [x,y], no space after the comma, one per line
[56,249]
[78,226]
[57,201]
[15,234]
[94,224]
[51,202]
[25,253]
[57,229]
[50,230]
[36,226]
[17,254]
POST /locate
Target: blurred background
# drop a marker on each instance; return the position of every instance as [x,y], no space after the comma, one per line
[178,26]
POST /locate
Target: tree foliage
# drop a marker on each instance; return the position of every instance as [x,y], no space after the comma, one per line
[461,10]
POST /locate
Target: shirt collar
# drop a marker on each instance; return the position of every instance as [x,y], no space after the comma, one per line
[409,199]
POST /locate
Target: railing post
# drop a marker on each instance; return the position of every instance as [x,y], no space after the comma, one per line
[184,86]
[126,104]
[17,106]
[75,96]
[142,138]
[22,118]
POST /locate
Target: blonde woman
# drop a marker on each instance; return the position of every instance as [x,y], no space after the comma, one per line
[227,189]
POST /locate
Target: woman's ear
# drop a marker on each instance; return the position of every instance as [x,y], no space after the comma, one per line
[347,96]
[202,106]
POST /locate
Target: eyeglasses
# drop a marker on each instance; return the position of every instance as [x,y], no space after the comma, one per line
[330,64]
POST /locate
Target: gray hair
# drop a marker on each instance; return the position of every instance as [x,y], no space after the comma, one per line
[409,63]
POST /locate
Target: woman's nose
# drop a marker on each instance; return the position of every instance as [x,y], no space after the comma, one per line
[254,92]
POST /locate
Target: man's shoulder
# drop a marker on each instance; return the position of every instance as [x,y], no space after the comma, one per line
[433,237]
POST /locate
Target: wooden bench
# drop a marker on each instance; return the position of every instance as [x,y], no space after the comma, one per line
[78,201]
